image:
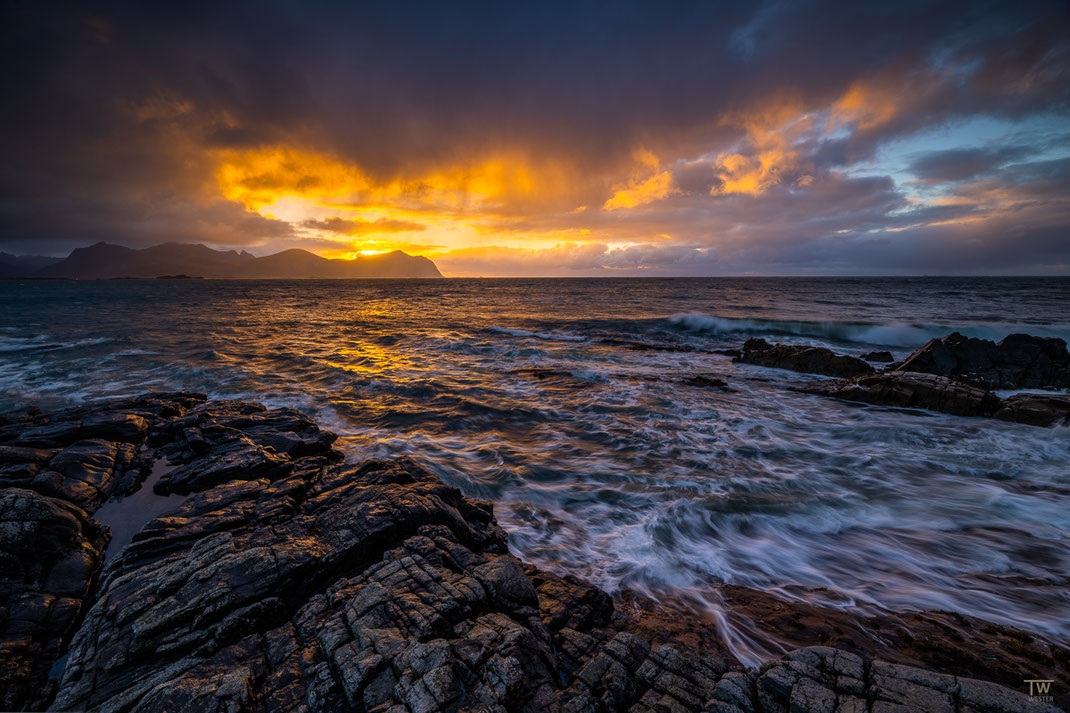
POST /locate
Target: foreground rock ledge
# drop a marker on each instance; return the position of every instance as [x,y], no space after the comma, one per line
[289,581]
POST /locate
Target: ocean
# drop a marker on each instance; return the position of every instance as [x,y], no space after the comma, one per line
[563,401]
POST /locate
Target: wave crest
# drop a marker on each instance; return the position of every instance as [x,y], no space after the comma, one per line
[893,334]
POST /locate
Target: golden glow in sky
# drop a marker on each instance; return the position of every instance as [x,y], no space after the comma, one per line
[546,139]
[475,213]
[335,202]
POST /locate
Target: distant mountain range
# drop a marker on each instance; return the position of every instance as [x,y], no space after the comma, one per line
[24,264]
[105,261]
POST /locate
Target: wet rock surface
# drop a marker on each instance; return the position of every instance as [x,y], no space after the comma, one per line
[50,552]
[287,580]
[911,390]
[1036,409]
[1017,361]
[798,357]
[915,390]
[55,471]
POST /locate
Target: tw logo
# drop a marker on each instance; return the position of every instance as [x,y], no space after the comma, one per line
[1040,689]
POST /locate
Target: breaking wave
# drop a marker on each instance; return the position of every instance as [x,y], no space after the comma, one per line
[895,334]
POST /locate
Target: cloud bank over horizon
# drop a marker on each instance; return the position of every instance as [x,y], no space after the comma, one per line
[551,139]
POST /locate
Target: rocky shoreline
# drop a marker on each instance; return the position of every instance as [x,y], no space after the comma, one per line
[953,374]
[281,578]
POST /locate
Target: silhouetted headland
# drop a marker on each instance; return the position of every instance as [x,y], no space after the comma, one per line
[175,260]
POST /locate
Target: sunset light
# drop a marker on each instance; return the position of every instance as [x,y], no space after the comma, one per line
[535,357]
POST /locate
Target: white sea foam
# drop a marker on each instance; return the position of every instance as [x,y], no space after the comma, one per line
[553,335]
[889,335]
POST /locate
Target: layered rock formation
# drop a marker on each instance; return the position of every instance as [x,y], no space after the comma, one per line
[1019,361]
[284,579]
[1036,409]
[951,375]
[910,390]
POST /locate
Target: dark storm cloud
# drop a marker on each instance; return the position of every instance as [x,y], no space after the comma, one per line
[344,226]
[114,113]
[963,163]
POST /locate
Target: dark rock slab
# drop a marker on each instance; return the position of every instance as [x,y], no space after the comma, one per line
[1036,409]
[50,552]
[234,440]
[1017,361]
[56,469]
[118,420]
[945,642]
[803,358]
[88,472]
[911,390]
[19,465]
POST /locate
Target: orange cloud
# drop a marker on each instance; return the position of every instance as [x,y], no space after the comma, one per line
[261,177]
[770,153]
[640,191]
[876,101]
[457,205]
[867,105]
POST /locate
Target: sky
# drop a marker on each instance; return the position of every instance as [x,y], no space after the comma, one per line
[574,139]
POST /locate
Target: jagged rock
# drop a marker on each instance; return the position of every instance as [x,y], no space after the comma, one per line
[911,390]
[296,582]
[54,469]
[800,357]
[50,552]
[19,465]
[1036,409]
[568,602]
[675,679]
[879,357]
[122,420]
[87,472]
[824,679]
[1017,361]
[947,642]
[228,440]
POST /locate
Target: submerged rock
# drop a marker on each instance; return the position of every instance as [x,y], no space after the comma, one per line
[803,358]
[290,581]
[879,357]
[1017,361]
[705,382]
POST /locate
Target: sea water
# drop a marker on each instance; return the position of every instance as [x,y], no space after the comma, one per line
[562,401]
